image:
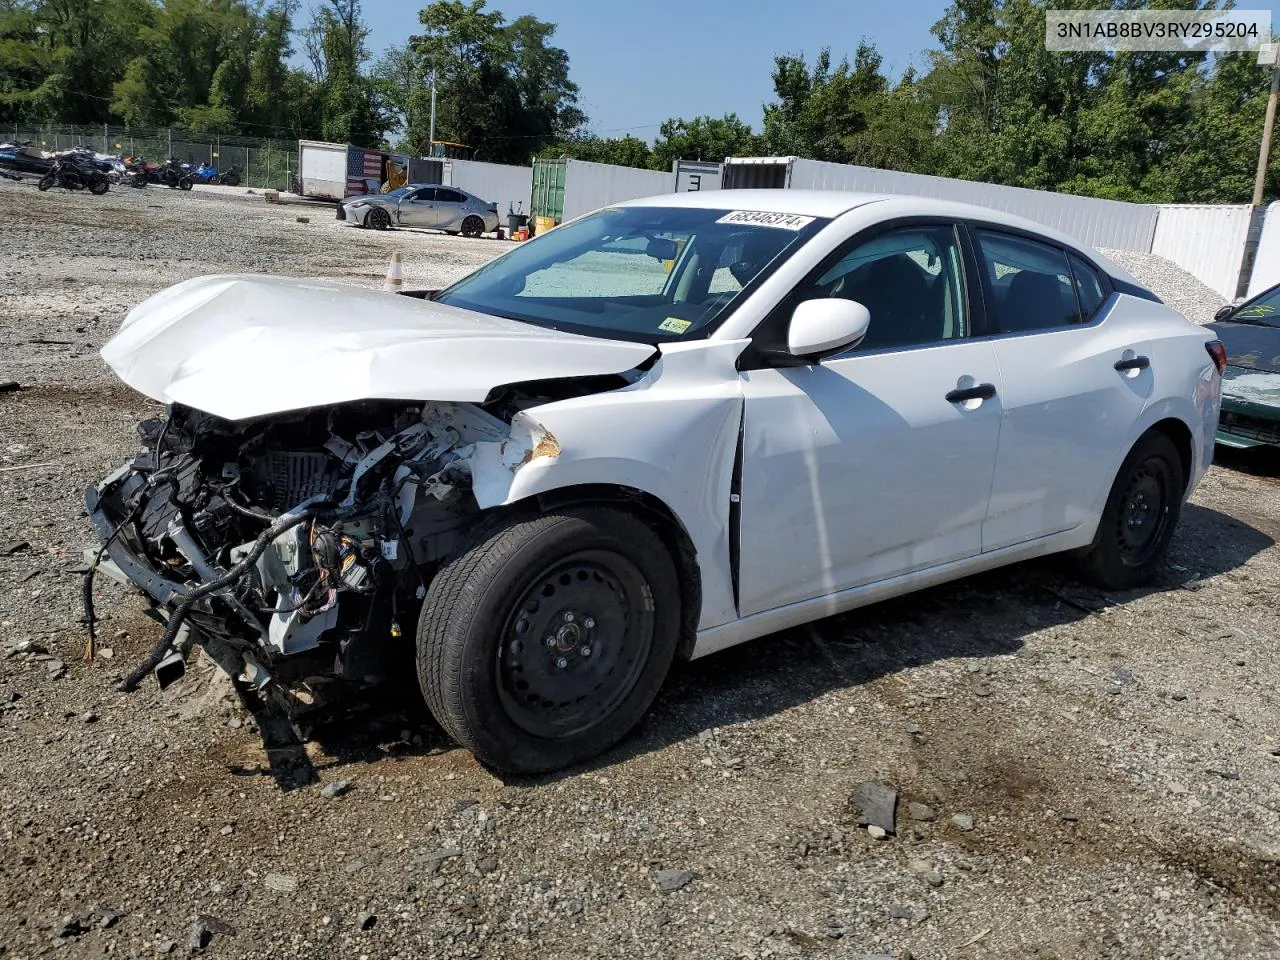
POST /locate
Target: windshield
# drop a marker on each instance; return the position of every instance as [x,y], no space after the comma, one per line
[1265,310]
[634,273]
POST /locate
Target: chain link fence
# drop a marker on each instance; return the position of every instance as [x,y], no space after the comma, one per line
[261,163]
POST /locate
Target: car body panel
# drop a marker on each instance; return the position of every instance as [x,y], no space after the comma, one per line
[249,346]
[859,469]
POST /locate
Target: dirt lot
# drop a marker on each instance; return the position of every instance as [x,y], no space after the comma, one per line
[1104,769]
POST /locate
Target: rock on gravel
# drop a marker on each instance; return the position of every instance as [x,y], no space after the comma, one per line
[876,805]
[671,880]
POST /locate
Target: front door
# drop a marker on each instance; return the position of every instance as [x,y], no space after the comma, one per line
[418,209]
[877,462]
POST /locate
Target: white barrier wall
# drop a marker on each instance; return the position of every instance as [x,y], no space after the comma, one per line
[589,186]
[1266,268]
[1206,240]
[500,183]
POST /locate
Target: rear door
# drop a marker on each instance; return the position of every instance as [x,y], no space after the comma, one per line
[1074,385]
[418,209]
[449,209]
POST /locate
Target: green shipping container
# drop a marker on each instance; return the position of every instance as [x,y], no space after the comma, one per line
[548,189]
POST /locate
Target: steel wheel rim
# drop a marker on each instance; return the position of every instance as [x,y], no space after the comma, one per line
[1144,513]
[574,644]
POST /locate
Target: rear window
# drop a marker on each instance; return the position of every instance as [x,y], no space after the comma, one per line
[1031,283]
[1089,287]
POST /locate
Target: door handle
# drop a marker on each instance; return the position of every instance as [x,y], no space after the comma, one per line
[983,391]
[1133,363]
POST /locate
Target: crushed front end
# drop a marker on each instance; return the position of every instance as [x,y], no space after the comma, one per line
[300,544]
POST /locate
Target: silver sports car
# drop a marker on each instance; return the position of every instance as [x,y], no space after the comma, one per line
[418,205]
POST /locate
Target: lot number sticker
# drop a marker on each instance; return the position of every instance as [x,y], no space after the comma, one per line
[759,218]
[674,325]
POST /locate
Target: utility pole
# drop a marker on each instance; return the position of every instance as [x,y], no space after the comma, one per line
[1268,55]
[1268,125]
[430,136]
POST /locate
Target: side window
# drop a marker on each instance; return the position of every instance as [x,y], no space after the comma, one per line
[1030,282]
[910,279]
[449,196]
[1089,289]
[425,195]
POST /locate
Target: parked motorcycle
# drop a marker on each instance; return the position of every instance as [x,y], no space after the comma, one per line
[73,172]
[231,178]
[175,175]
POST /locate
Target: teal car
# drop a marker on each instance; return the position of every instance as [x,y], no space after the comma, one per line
[1251,381]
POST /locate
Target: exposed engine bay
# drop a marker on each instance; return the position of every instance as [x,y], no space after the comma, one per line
[303,543]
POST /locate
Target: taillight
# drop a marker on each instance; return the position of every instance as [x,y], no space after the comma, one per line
[1219,353]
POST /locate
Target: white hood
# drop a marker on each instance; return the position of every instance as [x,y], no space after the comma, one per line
[248,346]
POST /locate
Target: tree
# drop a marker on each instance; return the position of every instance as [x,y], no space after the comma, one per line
[627,151]
[502,89]
[703,138]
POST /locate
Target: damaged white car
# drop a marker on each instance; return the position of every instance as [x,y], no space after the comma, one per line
[661,429]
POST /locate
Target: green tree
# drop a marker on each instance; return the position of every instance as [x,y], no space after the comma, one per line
[626,151]
[703,138]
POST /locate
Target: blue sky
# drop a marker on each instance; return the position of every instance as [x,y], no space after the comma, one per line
[638,62]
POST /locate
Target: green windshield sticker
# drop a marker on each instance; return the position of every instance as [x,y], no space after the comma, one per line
[674,325]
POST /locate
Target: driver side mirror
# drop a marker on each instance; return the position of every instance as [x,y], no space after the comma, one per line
[827,325]
[1224,313]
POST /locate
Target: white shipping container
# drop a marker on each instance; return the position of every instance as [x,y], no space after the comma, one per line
[322,169]
[1206,240]
[1099,223]
[696,175]
[1266,266]
[589,186]
[501,183]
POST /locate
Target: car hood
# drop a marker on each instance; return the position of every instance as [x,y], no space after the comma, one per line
[1250,345]
[244,346]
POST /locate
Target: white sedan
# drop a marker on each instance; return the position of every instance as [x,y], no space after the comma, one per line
[661,429]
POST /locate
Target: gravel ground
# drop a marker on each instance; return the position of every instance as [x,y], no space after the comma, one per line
[1079,775]
[1175,286]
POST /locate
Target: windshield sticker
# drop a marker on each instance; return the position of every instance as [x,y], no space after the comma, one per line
[759,218]
[674,325]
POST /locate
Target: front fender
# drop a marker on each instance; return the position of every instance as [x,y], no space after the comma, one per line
[672,435]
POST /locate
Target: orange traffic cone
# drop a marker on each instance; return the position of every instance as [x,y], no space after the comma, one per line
[395,275]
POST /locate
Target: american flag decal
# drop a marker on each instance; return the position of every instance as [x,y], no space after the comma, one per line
[362,165]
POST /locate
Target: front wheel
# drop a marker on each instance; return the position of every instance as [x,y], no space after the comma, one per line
[99,186]
[45,183]
[1139,518]
[378,219]
[473,226]
[545,641]
[186,183]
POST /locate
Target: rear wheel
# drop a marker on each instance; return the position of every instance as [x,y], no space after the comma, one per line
[99,186]
[185,183]
[545,641]
[1140,516]
[473,226]
[45,183]
[378,219]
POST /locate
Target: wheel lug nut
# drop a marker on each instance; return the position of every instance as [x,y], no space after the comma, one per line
[585,651]
[561,662]
[589,623]
[568,616]
[548,641]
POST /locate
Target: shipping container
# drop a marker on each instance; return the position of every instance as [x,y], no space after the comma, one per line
[334,171]
[426,170]
[567,188]
[1266,265]
[695,175]
[1205,239]
[508,186]
[1100,223]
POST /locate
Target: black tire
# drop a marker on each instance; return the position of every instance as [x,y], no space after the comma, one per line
[99,186]
[377,219]
[186,183]
[231,180]
[577,577]
[44,183]
[1139,519]
[472,226]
